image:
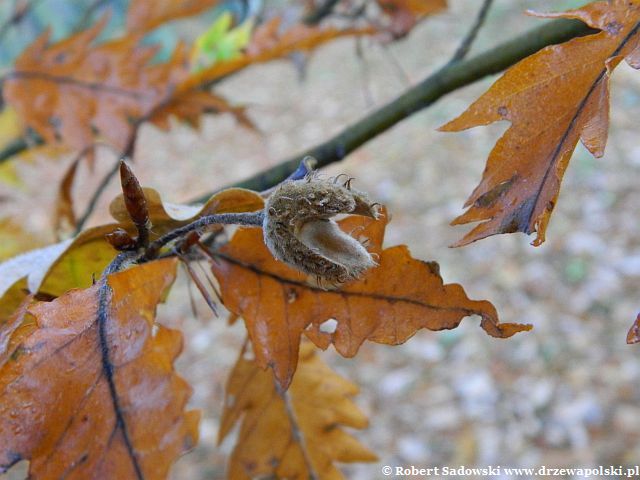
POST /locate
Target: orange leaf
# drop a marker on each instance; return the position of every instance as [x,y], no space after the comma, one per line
[144,15]
[269,43]
[90,391]
[65,218]
[405,14]
[271,442]
[633,336]
[189,106]
[552,99]
[388,305]
[73,91]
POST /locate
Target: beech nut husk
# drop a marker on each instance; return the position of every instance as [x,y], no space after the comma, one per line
[299,228]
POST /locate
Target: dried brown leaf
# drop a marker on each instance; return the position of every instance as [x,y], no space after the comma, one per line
[270,444]
[552,98]
[89,392]
[144,15]
[388,305]
[269,43]
[73,91]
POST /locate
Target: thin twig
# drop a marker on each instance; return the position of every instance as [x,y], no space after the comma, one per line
[198,283]
[83,23]
[16,16]
[446,80]
[325,9]
[365,75]
[96,87]
[13,148]
[126,154]
[400,71]
[250,219]
[468,40]
[93,201]
[296,432]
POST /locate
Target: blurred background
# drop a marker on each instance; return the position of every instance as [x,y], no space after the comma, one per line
[566,394]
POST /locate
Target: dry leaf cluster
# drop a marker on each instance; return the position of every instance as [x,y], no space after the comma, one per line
[88,387]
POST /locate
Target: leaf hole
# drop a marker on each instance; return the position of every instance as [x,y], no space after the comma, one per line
[329,326]
[248,355]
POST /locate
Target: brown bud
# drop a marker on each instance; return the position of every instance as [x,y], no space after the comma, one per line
[299,229]
[135,202]
[120,240]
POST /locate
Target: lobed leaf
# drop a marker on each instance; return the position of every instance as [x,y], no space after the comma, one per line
[77,262]
[388,305]
[271,442]
[143,15]
[269,43]
[73,91]
[552,98]
[89,391]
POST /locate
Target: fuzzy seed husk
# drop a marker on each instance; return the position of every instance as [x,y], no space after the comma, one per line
[299,230]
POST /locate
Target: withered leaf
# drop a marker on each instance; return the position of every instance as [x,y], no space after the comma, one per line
[269,43]
[73,91]
[405,14]
[143,15]
[166,216]
[31,266]
[633,336]
[64,216]
[267,444]
[553,99]
[90,392]
[74,263]
[388,305]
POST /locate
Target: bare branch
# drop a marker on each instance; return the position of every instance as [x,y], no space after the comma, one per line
[250,219]
[96,87]
[446,80]
[296,432]
[82,220]
[468,40]
[126,154]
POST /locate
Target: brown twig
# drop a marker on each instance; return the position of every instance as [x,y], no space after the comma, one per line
[250,219]
[468,40]
[62,79]
[93,201]
[296,432]
[126,154]
[200,286]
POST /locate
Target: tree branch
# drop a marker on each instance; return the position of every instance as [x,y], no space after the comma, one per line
[296,431]
[251,219]
[426,93]
[13,148]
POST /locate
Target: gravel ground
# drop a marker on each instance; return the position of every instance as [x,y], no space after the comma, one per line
[563,395]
